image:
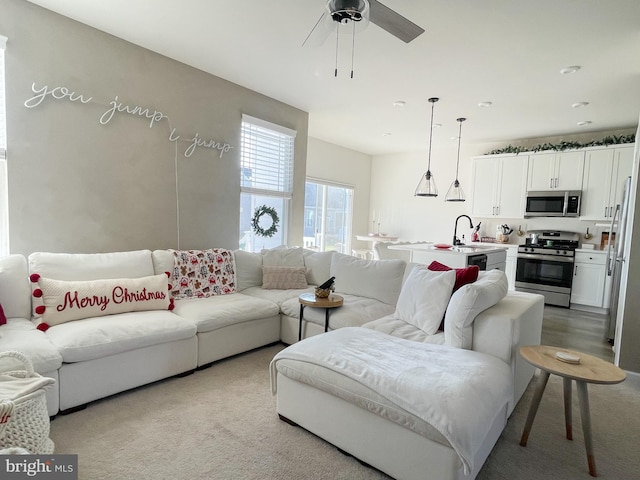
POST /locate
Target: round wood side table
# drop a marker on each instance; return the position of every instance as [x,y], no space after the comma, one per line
[590,370]
[310,300]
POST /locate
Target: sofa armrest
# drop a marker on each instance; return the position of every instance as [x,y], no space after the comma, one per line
[501,330]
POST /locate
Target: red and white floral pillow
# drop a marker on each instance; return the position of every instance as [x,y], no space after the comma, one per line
[59,301]
[203,273]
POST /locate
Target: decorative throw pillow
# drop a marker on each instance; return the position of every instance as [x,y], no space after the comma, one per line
[424,298]
[283,278]
[59,301]
[203,273]
[463,275]
[468,302]
[3,318]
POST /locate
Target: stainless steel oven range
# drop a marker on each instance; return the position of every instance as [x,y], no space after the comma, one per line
[545,265]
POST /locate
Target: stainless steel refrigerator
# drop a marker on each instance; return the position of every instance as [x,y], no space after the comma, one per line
[615,256]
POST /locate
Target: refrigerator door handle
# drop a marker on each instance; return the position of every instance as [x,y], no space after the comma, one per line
[609,256]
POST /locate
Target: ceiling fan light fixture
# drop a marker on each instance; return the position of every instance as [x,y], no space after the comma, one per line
[427,185]
[455,192]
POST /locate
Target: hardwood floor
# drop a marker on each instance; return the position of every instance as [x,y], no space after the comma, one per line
[576,330]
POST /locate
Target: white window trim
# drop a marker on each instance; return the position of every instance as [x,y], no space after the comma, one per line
[287,187]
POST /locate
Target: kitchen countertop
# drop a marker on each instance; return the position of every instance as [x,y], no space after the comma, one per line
[469,249]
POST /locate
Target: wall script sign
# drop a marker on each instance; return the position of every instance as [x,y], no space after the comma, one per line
[116,106]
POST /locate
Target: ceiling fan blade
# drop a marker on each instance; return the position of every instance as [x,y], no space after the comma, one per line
[393,22]
[320,31]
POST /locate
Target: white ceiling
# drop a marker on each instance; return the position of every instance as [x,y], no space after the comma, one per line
[509,52]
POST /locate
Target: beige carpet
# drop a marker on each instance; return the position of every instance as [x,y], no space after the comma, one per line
[220,423]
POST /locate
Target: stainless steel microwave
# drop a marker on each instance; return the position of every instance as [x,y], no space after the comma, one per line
[552,204]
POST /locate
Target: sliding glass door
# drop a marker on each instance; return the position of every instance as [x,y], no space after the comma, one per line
[327,216]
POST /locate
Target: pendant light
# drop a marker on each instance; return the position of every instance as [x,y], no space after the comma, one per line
[427,185]
[455,193]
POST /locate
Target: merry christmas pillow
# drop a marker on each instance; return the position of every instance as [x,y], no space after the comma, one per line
[59,301]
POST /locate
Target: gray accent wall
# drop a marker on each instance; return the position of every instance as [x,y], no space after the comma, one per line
[78,186]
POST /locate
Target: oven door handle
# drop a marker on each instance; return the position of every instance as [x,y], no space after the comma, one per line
[552,258]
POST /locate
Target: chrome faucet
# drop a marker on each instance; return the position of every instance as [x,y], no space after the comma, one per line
[456,240]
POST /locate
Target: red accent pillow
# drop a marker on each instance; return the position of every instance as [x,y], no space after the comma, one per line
[463,275]
[3,319]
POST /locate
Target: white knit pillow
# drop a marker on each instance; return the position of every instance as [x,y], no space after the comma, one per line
[283,278]
[424,298]
[59,301]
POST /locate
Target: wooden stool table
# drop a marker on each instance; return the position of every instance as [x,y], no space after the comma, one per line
[589,370]
[310,300]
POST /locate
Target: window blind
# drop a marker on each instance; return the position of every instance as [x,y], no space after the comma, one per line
[266,158]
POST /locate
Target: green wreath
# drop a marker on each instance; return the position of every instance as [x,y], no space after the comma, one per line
[255,221]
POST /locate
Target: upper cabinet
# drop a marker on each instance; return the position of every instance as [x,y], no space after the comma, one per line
[605,171]
[499,186]
[555,171]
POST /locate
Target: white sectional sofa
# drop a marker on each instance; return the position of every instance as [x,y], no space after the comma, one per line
[95,357]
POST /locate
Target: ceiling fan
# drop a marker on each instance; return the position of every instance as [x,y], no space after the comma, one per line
[359,13]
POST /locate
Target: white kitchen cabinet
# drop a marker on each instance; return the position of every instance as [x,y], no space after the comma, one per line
[605,171]
[555,171]
[499,186]
[589,279]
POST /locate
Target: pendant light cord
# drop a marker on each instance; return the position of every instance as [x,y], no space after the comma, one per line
[430,135]
[353,46]
[459,138]
[337,41]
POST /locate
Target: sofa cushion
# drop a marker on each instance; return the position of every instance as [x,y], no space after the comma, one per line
[101,337]
[202,273]
[355,311]
[248,269]
[283,257]
[220,311]
[318,266]
[21,334]
[424,298]
[391,325]
[283,278]
[468,302]
[377,279]
[92,266]
[15,288]
[59,301]
[276,296]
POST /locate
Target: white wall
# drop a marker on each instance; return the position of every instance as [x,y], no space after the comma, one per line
[326,161]
[78,186]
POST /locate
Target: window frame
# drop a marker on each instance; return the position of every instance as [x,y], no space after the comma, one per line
[277,145]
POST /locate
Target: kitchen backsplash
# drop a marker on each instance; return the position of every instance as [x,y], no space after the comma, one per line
[489,227]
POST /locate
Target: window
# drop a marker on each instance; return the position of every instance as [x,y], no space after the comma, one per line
[266,178]
[327,216]
[4,203]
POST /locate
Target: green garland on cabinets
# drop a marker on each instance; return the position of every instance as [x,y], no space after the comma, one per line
[558,147]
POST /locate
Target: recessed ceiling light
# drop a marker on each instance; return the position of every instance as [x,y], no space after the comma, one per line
[386,134]
[485,104]
[399,103]
[584,122]
[580,104]
[437,125]
[568,70]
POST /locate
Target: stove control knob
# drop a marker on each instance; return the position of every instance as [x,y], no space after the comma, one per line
[557,252]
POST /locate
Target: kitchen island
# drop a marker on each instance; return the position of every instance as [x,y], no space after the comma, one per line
[487,257]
